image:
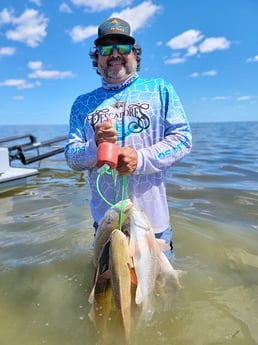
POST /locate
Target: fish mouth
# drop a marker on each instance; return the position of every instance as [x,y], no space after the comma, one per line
[125,205]
[126,209]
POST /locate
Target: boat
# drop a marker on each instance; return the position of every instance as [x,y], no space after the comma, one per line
[10,176]
[14,148]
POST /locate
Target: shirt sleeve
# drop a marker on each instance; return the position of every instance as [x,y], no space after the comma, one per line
[81,149]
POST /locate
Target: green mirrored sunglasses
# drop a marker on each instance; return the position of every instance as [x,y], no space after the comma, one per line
[121,48]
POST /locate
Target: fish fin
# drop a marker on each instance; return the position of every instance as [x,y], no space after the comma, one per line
[91,297]
[151,240]
[172,278]
[103,258]
[147,311]
[133,276]
[131,247]
[180,274]
[99,278]
[162,244]
[134,248]
[130,261]
[91,316]
[138,296]
[131,251]
[104,276]
[148,238]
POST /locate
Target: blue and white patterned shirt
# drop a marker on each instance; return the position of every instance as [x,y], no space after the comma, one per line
[149,117]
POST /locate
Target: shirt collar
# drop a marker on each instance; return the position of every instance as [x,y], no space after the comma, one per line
[119,86]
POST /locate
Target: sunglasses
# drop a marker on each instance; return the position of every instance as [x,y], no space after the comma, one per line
[122,49]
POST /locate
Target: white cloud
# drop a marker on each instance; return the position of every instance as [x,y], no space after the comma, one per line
[40,73]
[7,51]
[193,42]
[5,16]
[35,64]
[243,98]
[186,40]
[175,61]
[214,43]
[194,75]
[210,73]
[192,51]
[18,83]
[100,5]
[138,17]
[51,74]
[36,2]
[220,98]
[29,28]
[253,59]
[65,8]
[80,33]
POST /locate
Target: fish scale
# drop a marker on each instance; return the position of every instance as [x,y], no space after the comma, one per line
[144,250]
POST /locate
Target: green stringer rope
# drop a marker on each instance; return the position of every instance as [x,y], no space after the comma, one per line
[105,170]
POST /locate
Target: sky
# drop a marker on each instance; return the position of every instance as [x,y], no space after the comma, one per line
[207,49]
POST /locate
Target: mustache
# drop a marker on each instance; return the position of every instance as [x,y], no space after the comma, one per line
[115,59]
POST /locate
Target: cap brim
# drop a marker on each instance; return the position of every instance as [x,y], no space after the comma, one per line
[129,38]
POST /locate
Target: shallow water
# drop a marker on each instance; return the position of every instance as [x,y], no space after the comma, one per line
[46,250]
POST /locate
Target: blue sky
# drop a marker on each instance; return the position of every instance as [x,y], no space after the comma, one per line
[207,49]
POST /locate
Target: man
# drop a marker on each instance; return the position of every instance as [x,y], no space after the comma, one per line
[143,116]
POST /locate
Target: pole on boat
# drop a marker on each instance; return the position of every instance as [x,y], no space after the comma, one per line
[17,151]
[26,161]
[32,138]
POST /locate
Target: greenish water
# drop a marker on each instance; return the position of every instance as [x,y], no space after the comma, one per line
[46,249]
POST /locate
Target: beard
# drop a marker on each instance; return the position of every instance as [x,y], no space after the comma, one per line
[125,70]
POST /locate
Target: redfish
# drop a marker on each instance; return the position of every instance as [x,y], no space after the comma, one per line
[115,215]
[150,262]
[120,265]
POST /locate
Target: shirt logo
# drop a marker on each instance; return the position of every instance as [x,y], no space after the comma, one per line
[127,118]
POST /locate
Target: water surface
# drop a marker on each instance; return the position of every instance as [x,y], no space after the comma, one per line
[46,248]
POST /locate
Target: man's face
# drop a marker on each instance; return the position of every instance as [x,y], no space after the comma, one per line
[117,66]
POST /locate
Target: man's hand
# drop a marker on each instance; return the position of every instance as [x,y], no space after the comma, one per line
[105,132]
[127,160]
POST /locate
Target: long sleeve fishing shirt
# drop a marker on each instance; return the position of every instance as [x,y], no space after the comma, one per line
[149,117]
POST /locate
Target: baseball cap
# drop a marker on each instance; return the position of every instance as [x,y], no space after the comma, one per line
[114,27]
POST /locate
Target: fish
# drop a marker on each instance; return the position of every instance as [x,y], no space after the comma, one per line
[110,221]
[101,298]
[150,262]
[129,266]
[120,265]
[112,286]
[167,273]
[144,251]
